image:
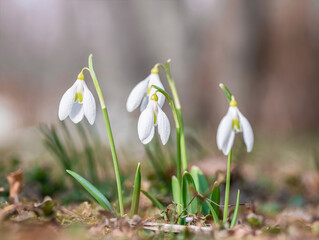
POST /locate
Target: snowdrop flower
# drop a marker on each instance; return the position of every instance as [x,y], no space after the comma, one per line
[234,122]
[78,101]
[151,117]
[143,90]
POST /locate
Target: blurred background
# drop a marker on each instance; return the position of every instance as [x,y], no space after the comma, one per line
[266,52]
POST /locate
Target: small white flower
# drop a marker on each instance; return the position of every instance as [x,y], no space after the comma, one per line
[189,219]
[78,101]
[232,123]
[143,90]
[151,117]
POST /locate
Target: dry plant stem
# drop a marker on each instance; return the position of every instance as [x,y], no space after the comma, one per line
[179,114]
[110,135]
[179,216]
[165,227]
[175,228]
[227,187]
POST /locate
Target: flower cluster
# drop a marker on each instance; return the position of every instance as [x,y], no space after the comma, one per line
[151,102]
[78,102]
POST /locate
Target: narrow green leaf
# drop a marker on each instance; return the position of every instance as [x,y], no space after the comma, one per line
[153,200]
[201,186]
[176,189]
[93,191]
[215,197]
[214,214]
[234,220]
[136,191]
[188,193]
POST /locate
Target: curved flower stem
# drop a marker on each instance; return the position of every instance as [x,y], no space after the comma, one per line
[226,91]
[178,113]
[178,130]
[227,187]
[110,135]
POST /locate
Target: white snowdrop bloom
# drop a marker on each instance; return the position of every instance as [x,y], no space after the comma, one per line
[232,123]
[140,95]
[151,117]
[78,102]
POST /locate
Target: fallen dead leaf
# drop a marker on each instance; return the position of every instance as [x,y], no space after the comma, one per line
[7,211]
[15,185]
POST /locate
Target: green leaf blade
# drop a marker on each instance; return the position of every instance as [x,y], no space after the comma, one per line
[136,191]
[99,197]
[176,189]
[234,219]
[214,214]
[215,198]
[188,191]
[201,186]
[153,200]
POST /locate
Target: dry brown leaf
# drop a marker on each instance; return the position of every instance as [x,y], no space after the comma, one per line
[15,185]
[7,211]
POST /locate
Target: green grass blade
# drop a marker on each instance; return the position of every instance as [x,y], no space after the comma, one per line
[153,200]
[136,191]
[199,180]
[93,191]
[201,186]
[214,214]
[215,197]
[188,192]
[234,220]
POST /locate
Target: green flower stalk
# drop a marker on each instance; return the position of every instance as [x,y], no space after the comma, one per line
[110,135]
[174,111]
[172,86]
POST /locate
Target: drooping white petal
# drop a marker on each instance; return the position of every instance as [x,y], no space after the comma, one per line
[77,112]
[228,143]
[150,137]
[144,103]
[164,127]
[224,130]
[66,102]
[247,132]
[137,94]
[145,123]
[155,80]
[89,105]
